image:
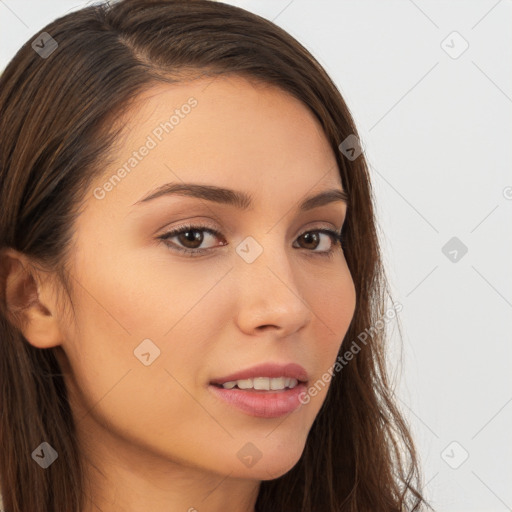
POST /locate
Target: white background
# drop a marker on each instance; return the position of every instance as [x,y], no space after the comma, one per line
[437,132]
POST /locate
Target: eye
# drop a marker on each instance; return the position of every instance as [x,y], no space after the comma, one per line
[314,236]
[191,237]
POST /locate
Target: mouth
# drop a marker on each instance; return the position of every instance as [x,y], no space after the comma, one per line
[261,403]
[267,390]
[261,384]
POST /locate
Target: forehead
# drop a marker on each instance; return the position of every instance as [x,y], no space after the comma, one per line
[225,130]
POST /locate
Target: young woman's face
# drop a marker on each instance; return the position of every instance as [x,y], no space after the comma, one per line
[155,326]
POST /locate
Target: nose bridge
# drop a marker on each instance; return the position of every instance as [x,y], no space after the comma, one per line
[269,292]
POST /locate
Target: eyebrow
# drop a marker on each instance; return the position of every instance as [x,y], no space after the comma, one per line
[238,199]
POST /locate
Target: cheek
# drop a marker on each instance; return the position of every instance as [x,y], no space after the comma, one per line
[151,297]
[333,304]
[129,309]
[143,334]
[141,397]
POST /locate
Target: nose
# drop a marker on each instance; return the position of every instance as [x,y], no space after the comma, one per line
[270,294]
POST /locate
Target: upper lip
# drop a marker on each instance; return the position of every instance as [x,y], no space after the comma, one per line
[291,370]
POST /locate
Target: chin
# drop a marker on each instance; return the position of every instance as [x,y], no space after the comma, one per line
[271,468]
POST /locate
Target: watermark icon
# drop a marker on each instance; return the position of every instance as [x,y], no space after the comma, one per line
[507,193]
[455,455]
[354,349]
[249,249]
[249,454]
[152,140]
[454,45]
[454,249]
[44,45]
[146,352]
[45,455]
[350,147]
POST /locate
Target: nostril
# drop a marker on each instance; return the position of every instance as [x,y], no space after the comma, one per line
[265,327]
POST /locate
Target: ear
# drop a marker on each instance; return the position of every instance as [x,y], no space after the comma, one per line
[27,299]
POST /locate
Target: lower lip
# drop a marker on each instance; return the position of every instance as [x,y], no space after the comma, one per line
[262,404]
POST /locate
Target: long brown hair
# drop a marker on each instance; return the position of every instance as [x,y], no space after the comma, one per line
[56,119]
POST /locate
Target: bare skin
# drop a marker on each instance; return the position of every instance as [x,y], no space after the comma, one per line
[154,437]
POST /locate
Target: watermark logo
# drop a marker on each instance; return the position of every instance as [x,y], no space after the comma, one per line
[350,147]
[146,352]
[45,455]
[455,455]
[249,249]
[249,454]
[454,45]
[454,249]
[44,45]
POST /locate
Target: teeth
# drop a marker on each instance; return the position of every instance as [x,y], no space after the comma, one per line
[263,383]
[279,383]
[244,384]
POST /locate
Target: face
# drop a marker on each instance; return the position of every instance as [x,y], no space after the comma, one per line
[161,314]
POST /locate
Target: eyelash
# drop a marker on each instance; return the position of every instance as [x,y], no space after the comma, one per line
[336,238]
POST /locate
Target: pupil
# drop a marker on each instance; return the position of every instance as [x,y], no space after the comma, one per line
[191,237]
[309,236]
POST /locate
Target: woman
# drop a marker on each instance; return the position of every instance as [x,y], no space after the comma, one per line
[189,260]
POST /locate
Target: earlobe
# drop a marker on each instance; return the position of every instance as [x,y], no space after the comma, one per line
[21,289]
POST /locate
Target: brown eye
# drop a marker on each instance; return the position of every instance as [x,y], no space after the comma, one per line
[189,239]
[312,240]
[192,238]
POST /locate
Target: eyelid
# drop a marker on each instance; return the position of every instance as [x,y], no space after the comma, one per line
[213,229]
